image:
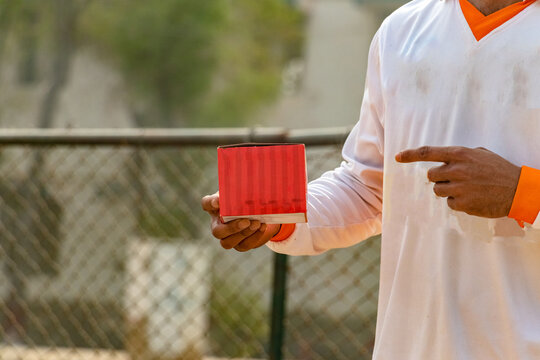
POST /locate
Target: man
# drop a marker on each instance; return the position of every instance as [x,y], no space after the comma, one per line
[447,80]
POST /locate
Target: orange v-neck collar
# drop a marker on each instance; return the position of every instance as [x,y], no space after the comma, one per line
[481,25]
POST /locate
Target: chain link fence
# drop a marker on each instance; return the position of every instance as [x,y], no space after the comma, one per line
[106,254]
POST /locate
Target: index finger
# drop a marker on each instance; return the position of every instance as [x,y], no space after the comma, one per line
[427,153]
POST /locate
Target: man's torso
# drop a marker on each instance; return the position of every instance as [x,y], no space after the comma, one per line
[454,286]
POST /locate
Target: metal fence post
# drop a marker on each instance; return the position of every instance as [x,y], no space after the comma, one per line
[277,332]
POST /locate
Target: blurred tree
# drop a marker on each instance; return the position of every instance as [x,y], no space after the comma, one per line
[189,63]
[260,38]
[165,49]
[21,18]
[185,62]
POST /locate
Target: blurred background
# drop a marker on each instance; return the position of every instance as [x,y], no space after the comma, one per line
[105,253]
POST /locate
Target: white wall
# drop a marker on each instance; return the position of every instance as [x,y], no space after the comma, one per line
[339,33]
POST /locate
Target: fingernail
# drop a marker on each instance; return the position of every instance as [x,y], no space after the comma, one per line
[398,157]
[262,228]
[255,225]
[243,224]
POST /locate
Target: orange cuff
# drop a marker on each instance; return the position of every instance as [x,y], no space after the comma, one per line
[285,231]
[526,204]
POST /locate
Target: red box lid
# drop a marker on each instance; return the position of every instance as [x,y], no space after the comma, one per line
[259,179]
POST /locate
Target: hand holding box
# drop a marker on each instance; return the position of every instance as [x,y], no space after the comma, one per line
[265,182]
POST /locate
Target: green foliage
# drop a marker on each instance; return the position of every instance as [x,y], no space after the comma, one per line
[185,62]
[211,62]
[166,48]
[261,37]
[176,174]
[168,224]
[5,12]
[238,321]
[23,16]
[79,322]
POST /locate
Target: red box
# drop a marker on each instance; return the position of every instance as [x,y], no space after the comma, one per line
[265,182]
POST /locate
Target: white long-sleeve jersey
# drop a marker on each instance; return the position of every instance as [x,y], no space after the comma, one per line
[452,286]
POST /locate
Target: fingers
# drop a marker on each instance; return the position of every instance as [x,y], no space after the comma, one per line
[241,234]
[446,172]
[210,203]
[221,231]
[257,240]
[271,231]
[234,240]
[438,174]
[445,189]
[430,153]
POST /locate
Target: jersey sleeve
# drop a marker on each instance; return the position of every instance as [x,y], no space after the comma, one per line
[345,205]
[526,204]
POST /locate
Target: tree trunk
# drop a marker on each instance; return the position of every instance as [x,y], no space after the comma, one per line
[64,42]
